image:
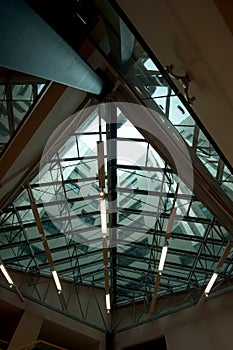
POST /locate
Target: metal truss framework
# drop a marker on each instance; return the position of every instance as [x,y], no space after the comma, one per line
[145,195]
[18,93]
[143,189]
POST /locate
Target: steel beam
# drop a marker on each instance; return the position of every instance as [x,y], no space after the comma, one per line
[111,129]
[48,56]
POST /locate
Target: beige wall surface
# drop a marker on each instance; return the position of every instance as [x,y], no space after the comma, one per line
[209,328]
[27,331]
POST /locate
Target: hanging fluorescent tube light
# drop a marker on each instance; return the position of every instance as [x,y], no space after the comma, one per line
[103,217]
[56,280]
[108,303]
[162,259]
[6,275]
[210,284]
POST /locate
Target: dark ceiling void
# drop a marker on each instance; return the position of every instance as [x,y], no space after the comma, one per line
[158,344]
[72,19]
[10,316]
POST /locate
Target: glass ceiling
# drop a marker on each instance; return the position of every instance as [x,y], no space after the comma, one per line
[66,193]
[140,194]
[17,95]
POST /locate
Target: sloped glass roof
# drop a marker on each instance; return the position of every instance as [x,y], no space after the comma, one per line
[66,193]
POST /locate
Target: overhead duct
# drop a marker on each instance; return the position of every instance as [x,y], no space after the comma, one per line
[127,42]
[30,45]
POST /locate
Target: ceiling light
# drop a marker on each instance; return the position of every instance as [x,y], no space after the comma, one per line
[6,275]
[103,217]
[162,259]
[56,280]
[211,283]
[108,303]
[102,194]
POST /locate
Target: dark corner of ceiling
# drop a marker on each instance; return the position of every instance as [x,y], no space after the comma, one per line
[71,19]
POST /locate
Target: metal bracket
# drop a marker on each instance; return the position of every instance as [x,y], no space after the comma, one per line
[184,81]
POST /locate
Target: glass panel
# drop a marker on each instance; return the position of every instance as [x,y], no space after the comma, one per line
[67,199]
[15,101]
[153,88]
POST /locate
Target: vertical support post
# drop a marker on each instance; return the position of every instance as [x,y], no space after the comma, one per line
[109,340]
[10,112]
[196,136]
[168,101]
[220,170]
[34,90]
[111,130]
[100,151]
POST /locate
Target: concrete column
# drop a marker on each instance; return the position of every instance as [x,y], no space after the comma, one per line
[27,330]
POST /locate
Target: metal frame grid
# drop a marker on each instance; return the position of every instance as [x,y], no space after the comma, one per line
[18,93]
[139,224]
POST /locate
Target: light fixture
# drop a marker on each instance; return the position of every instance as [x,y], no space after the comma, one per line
[162,259]
[102,194]
[6,275]
[56,280]
[108,303]
[103,217]
[210,284]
